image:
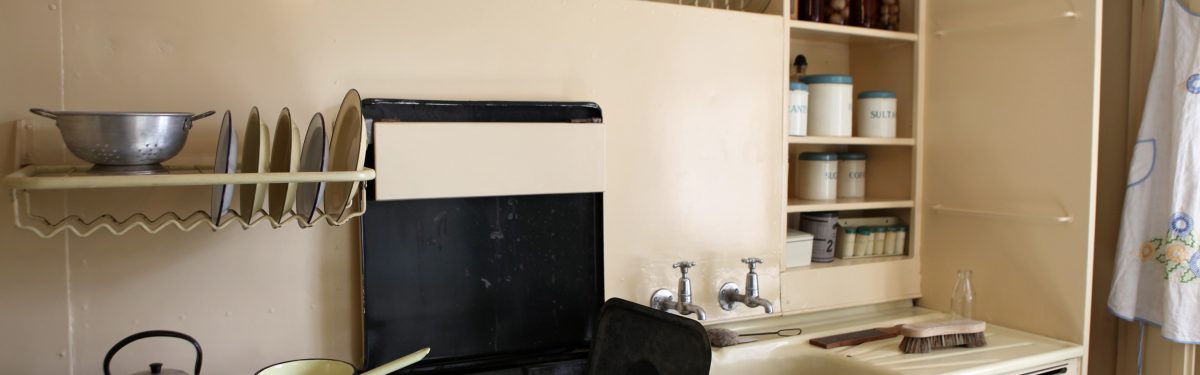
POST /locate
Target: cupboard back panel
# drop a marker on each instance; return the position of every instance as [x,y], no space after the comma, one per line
[1011,128]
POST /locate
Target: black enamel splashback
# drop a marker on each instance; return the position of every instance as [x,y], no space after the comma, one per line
[495,285]
[482,281]
[420,110]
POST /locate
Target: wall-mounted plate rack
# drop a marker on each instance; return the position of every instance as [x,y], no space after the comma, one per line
[37,177]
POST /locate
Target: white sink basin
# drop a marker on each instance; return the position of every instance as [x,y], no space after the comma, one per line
[1008,351]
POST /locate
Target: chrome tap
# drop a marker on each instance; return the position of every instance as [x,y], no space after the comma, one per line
[664,300]
[730,294]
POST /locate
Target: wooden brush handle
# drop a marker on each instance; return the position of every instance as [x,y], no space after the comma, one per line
[952,327]
[855,338]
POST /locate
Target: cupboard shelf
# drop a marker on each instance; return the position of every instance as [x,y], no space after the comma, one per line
[800,205]
[839,262]
[818,31]
[852,141]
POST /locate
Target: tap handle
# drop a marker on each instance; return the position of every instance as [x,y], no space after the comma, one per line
[752,262]
[683,266]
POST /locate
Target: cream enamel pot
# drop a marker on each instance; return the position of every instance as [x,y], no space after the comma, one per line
[336,367]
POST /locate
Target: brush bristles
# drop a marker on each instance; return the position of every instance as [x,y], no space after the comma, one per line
[721,337]
[926,344]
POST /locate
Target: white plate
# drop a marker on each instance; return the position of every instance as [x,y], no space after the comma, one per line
[285,157]
[226,162]
[347,148]
[313,158]
[255,154]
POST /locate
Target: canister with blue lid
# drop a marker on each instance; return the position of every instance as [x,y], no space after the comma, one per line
[876,115]
[816,176]
[852,175]
[830,105]
[798,109]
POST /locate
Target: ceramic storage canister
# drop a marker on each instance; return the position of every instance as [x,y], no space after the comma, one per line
[830,104]
[816,176]
[852,175]
[876,114]
[798,109]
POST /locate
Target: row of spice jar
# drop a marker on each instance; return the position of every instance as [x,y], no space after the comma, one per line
[868,241]
[878,14]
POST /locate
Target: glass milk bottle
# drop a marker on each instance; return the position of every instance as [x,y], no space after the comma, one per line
[962,302]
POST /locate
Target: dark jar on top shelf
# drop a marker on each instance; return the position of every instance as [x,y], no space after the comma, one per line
[889,15]
[808,10]
[836,11]
[864,13]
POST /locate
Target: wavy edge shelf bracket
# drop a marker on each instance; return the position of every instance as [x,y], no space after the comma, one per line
[22,136]
[1064,219]
[34,177]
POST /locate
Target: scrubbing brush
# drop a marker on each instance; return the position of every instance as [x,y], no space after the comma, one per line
[924,337]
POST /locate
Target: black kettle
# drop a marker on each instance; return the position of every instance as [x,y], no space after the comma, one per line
[155,368]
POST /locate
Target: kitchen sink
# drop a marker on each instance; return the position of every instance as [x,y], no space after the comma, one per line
[1008,351]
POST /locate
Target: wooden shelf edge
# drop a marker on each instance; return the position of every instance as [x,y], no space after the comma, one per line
[795,205]
[851,141]
[841,263]
[851,31]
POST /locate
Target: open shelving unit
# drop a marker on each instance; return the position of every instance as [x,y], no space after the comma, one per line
[877,60]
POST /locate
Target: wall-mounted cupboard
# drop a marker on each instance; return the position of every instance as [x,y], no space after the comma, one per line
[995,127]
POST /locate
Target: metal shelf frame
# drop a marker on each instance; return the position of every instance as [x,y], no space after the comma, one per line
[37,177]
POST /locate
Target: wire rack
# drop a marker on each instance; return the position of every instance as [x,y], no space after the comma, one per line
[34,178]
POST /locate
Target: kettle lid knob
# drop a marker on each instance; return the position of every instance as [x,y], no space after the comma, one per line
[156,368]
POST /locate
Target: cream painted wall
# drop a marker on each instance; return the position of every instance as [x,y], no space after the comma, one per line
[691,155]
[33,277]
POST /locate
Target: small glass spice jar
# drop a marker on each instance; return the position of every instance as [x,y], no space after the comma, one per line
[889,15]
[808,10]
[836,11]
[864,13]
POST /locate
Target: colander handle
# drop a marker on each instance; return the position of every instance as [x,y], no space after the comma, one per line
[188,125]
[44,113]
[203,115]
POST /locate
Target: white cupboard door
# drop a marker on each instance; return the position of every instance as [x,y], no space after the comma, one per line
[1009,159]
